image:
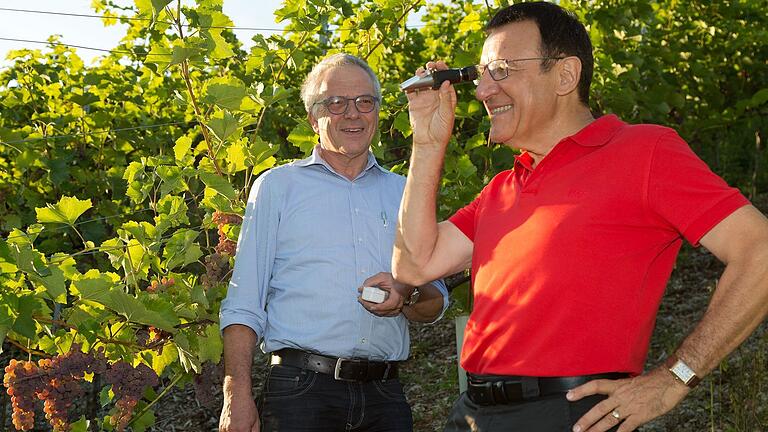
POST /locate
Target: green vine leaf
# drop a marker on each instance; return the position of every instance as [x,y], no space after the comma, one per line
[303,137]
[181,249]
[135,311]
[211,345]
[66,211]
[218,184]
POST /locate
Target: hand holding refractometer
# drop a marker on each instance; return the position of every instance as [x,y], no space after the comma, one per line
[435,78]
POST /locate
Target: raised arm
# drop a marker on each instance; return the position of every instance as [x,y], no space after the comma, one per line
[425,250]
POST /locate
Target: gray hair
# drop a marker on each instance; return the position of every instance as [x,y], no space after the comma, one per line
[309,93]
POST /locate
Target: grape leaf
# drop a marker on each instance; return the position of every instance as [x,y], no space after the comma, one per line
[66,211]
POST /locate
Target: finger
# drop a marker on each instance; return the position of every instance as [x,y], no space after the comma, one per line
[440,65]
[392,302]
[594,415]
[608,421]
[447,94]
[371,307]
[436,65]
[592,387]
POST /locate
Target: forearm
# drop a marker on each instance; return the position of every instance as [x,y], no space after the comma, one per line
[429,306]
[417,231]
[738,306]
[239,345]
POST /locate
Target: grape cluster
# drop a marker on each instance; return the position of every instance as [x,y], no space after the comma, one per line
[128,385]
[55,381]
[160,285]
[22,379]
[226,246]
[216,267]
[58,383]
[62,378]
[207,382]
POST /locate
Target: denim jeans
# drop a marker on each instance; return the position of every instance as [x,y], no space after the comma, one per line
[299,400]
[546,414]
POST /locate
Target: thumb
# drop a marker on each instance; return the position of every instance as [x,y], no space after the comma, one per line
[375,280]
[447,101]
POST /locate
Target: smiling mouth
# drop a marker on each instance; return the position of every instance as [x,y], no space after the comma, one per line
[501,109]
[352,130]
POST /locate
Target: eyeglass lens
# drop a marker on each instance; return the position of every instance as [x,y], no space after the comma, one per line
[339,105]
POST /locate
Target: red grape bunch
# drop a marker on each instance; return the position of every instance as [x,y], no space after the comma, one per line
[226,246]
[56,381]
[128,385]
[62,377]
[216,267]
[22,379]
[160,285]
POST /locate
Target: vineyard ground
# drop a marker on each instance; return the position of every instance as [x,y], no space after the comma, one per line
[734,398]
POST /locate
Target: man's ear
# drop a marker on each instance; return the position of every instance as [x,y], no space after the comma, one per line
[313,121]
[568,75]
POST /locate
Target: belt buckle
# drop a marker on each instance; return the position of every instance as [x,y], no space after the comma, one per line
[337,370]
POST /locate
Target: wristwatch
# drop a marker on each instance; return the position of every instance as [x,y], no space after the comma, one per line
[681,371]
[413,298]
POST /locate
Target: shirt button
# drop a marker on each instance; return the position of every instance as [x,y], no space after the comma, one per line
[362,340]
[359,239]
[357,210]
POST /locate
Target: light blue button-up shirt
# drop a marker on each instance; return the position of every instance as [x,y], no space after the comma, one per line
[309,239]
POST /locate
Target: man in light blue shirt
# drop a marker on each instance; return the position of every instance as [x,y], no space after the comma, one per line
[315,232]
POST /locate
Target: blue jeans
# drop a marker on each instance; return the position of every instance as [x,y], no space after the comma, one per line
[299,400]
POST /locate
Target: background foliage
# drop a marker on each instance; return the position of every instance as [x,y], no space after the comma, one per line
[120,182]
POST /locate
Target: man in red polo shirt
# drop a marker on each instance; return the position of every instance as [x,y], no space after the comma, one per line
[571,248]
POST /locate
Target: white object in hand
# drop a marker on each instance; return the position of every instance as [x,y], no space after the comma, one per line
[374,294]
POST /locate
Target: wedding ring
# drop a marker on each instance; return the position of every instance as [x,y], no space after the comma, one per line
[615,414]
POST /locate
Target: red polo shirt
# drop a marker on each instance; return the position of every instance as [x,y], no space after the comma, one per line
[571,258]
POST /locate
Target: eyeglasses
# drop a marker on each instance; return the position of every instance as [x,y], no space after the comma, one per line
[339,104]
[499,68]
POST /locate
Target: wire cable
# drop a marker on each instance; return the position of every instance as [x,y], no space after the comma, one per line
[122,17]
[111,51]
[98,132]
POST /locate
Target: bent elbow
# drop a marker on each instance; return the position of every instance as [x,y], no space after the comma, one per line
[408,275]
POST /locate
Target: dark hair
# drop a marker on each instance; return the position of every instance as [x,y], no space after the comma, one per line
[561,34]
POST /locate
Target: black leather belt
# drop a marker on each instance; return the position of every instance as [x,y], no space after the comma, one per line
[341,369]
[500,390]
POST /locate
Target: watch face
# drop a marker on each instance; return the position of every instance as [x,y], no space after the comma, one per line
[682,371]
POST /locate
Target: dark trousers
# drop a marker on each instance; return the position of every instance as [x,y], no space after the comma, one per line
[546,414]
[298,400]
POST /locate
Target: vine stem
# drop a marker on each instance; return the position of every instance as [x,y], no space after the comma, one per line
[165,391]
[191,91]
[130,264]
[82,239]
[27,350]
[397,23]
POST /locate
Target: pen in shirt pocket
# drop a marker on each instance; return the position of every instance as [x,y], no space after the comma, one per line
[384,218]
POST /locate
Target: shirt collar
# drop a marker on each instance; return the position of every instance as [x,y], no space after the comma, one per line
[599,132]
[595,134]
[316,159]
[525,160]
